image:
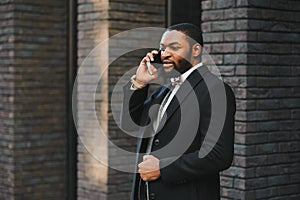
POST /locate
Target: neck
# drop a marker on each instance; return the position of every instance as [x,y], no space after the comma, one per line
[192,64]
[195,62]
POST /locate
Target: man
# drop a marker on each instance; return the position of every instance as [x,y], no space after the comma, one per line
[183,150]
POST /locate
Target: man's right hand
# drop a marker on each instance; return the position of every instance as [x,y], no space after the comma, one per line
[142,75]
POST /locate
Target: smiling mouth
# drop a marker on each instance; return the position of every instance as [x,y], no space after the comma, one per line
[167,64]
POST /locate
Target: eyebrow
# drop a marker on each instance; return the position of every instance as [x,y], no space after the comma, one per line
[173,43]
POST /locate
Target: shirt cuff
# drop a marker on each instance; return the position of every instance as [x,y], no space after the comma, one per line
[132,87]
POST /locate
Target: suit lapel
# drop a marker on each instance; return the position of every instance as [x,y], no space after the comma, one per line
[157,101]
[161,94]
[186,88]
[148,130]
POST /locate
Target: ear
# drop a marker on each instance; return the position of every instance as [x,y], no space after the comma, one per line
[196,50]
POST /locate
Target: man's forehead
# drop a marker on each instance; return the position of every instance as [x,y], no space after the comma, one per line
[173,37]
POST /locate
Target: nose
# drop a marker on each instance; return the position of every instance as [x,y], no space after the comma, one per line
[165,54]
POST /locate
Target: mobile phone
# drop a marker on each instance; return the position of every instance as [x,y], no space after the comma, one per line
[157,60]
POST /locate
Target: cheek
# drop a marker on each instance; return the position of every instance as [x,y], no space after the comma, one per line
[179,56]
[180,60]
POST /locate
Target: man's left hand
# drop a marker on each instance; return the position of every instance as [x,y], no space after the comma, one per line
[149,168]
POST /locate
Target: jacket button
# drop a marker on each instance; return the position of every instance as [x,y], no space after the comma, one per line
[152,196]
[156,142]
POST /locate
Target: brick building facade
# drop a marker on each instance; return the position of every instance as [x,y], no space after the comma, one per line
[32,99]
[256,44]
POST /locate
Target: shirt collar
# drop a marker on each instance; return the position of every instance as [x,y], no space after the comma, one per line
[187,73]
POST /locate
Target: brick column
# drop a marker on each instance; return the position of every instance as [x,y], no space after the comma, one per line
[92,29]
[256,45]
[33,99]
[6,101]
[98,21]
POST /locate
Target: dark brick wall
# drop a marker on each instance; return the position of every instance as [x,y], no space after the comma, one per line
[224,41]
[33,99]
[273,126]
[256,45]
[6,101]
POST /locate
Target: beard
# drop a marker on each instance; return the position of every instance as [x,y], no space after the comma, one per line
[184,64]
[171,74]
[181,67]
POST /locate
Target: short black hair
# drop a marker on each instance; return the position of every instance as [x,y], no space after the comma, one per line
[190,30]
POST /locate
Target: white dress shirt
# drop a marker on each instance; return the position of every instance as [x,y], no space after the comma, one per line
[176,88]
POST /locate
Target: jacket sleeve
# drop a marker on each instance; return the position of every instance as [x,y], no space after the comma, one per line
[191,166]
[134,103]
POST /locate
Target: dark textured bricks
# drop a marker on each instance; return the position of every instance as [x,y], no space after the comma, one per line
[239,183]
[226,181]
[212,37]
[236,13]
[212,15]
[288,37]
[222,25]
[235,36]
[235,59]
[283,5]
[206,27]
[255,44]
[236,81]
[223,4]
[242,25]
[206,5]
[36,103]
[266,56]
[275,170]
[228,192]
[241,47]
[222,48]
[227,70]
[7,166]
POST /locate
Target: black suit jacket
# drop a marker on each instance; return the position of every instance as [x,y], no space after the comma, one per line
[190,123]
